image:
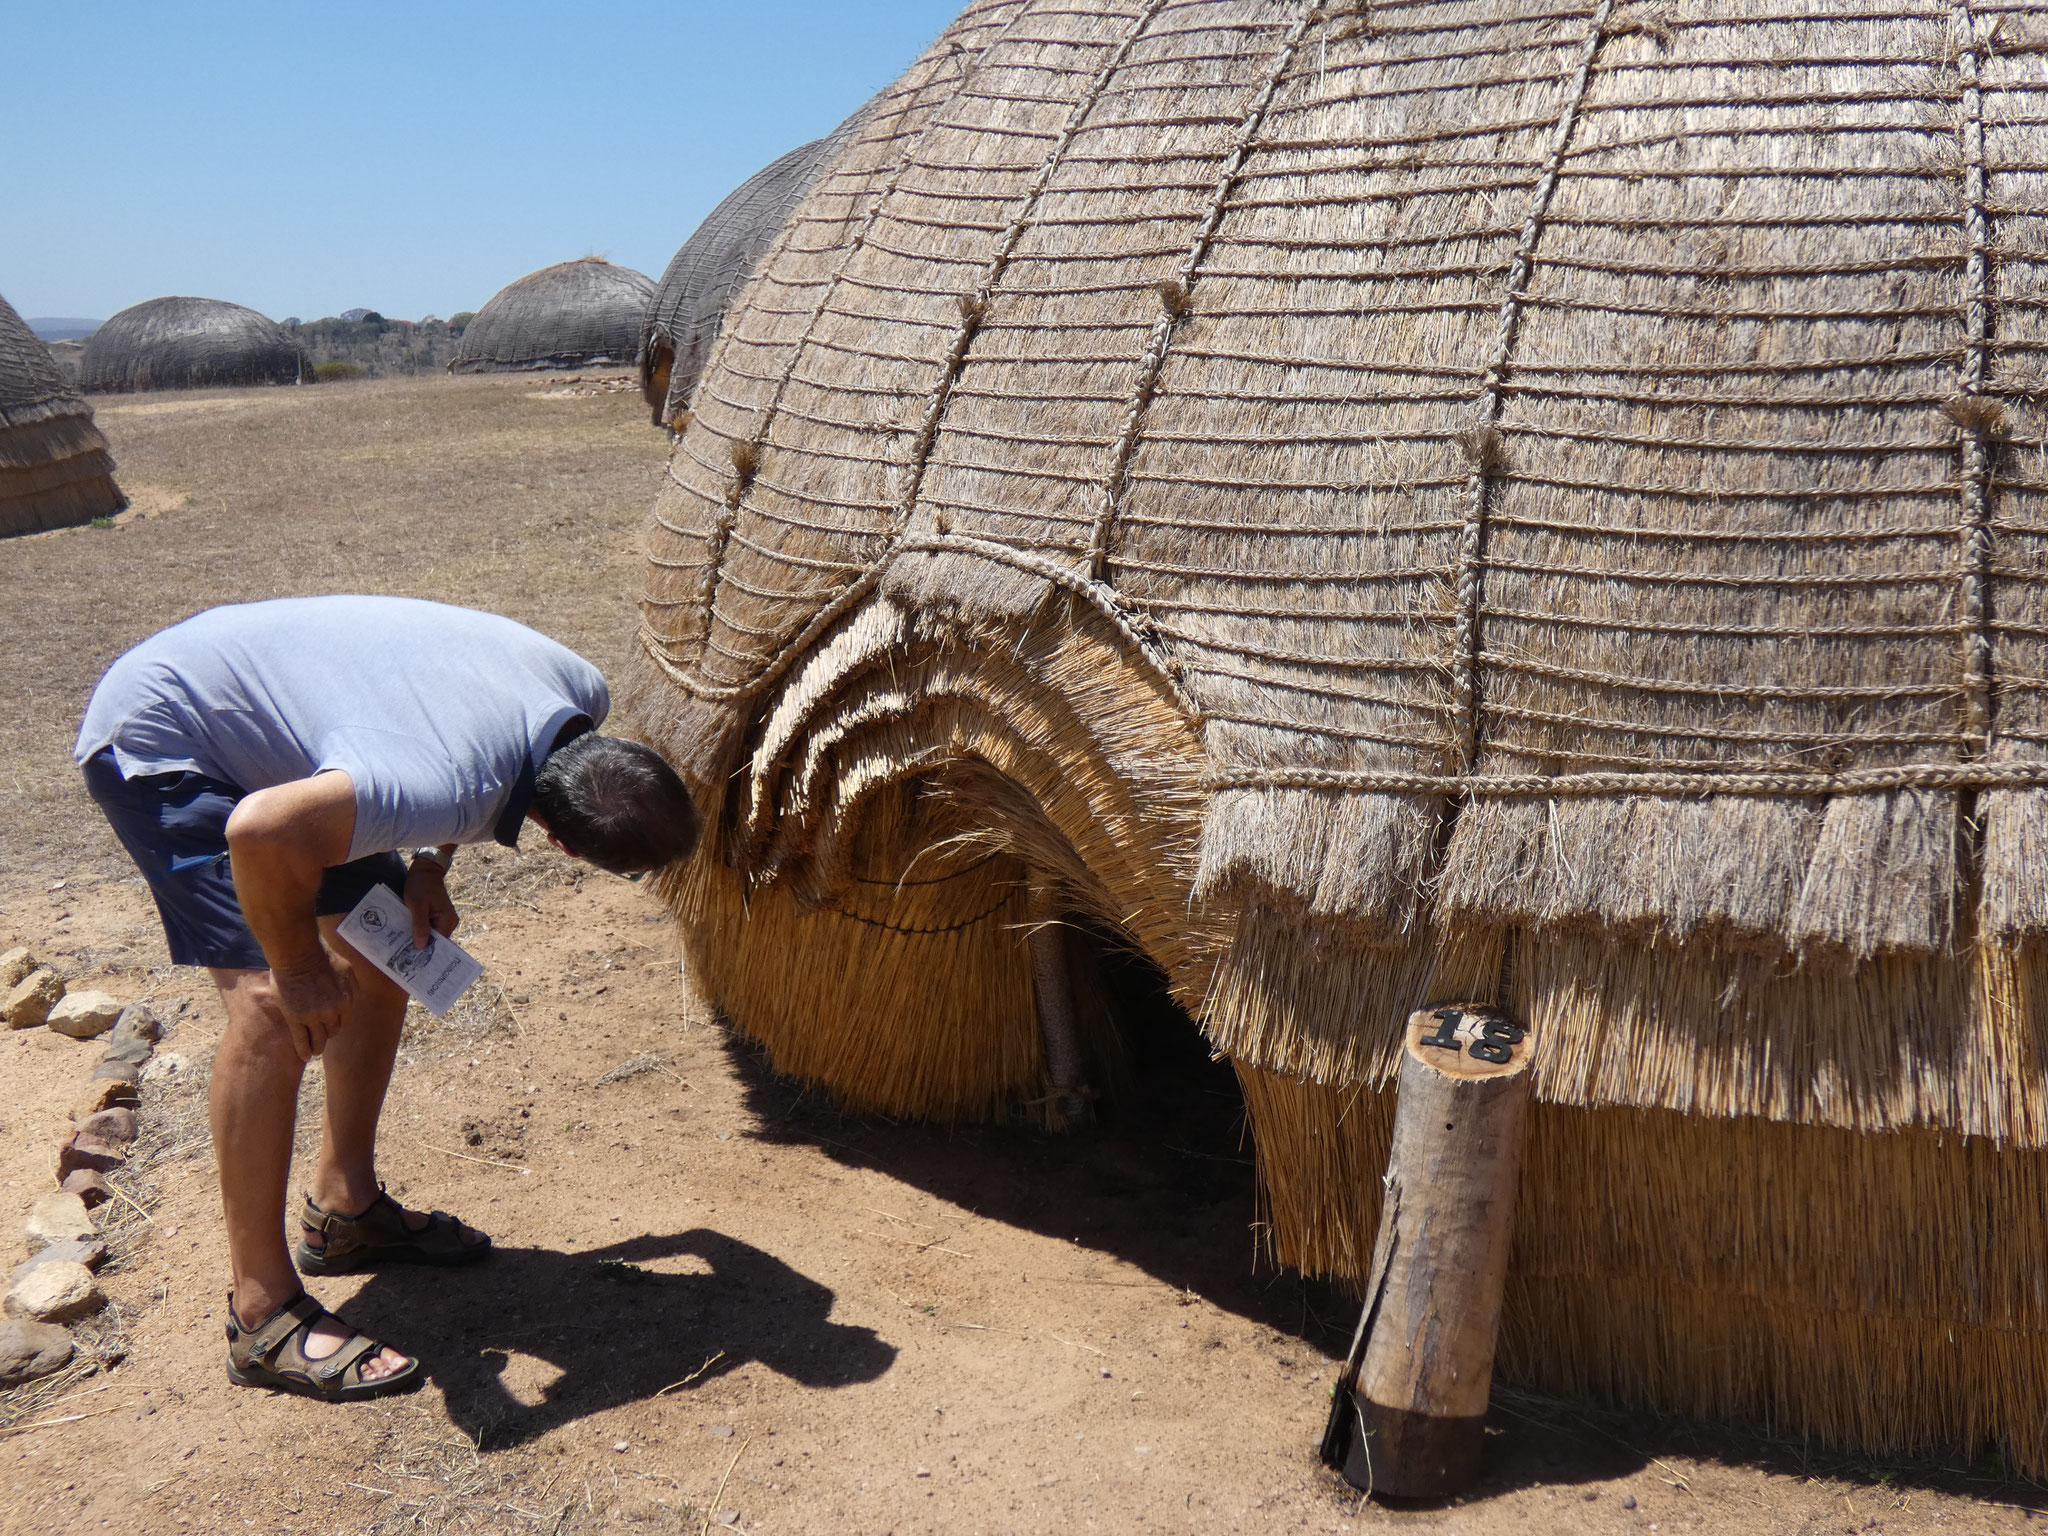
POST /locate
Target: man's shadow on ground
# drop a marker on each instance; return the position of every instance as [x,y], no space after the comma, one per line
[616,1331]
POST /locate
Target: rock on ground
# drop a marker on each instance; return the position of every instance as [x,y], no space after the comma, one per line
[29,1003]
[84,1015]
[89,1186]
[115,1125]
[57,1217]
[89,1251]
[84,1150]
[29,1350]
[102,1093]
[138,1022]
[54,1293]
[134,1051]
[15,964]
[169,1064]
[118,1072]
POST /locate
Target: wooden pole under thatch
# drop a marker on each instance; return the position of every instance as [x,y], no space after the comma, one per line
[1408,1415]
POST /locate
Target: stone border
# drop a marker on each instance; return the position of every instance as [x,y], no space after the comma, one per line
[55,1285]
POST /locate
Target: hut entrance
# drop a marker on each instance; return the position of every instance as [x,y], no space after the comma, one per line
[1150,1076]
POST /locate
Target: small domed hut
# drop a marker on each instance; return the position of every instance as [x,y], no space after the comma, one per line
[576,314]
[184,343]
[1531,503]
[691,299]
[55,470]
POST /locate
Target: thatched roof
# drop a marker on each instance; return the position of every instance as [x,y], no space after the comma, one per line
[55,470]
[576,314]
[184,343]
[700,280]
[1377,505]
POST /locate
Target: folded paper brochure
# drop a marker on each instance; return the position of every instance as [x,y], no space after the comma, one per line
[381,928]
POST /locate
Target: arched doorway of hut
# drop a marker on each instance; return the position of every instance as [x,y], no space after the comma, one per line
[934,984]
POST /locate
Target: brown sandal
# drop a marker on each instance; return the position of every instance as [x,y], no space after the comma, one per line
[379,1236]
[273,1354]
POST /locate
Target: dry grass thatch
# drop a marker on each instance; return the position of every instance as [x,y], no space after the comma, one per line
[575,314]
[711,266]
[55,470]
[1551,502]
[184,343]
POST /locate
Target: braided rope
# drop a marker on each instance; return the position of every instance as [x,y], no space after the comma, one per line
[974,306]
[747,457]
[1856,781]
[1482,433]
[1099,595]
[1972,423]
[1174,295]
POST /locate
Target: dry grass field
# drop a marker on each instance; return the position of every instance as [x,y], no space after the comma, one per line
[717,1303]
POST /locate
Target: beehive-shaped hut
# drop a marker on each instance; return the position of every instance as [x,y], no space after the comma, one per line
[691,299]
[576,314]
[55,470]
[181,343]
[1531,502]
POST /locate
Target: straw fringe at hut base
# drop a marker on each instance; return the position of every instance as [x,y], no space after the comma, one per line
[1860,1289]
[55,471]
[55,475]
[910,998]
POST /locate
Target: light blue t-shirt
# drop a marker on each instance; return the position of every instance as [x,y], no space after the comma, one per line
[438,715]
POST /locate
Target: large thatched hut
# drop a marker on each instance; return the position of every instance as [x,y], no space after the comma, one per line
[1379,506]
[575,314]
[55,470]
[699,283]
[183,343]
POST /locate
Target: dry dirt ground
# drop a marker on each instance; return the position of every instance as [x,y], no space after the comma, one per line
[716,1302]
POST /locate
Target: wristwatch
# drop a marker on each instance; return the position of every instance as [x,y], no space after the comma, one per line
[435,857]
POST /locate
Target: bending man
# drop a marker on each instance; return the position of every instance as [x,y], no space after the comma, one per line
[263,765]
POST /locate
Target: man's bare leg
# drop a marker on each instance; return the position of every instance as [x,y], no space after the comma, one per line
[358,1063]
[254,1105]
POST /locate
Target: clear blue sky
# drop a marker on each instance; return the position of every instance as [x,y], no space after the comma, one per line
[412,158]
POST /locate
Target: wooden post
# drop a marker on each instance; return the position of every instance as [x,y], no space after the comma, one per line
[1408,1414]
[1052,985]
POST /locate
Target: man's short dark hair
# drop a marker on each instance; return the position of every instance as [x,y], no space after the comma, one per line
[616,803]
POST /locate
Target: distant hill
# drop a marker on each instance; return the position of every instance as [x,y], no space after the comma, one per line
[62,327]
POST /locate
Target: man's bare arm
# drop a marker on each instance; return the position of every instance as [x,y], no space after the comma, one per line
[281,841]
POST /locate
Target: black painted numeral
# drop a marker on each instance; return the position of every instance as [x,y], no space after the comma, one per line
[1446,1036]
[1497,1040]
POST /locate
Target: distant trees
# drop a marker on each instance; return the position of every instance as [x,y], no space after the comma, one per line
[378,347]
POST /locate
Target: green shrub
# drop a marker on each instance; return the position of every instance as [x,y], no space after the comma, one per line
[335,372]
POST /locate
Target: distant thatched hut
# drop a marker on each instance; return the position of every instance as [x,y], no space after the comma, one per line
[702,278]
[576,314]
[181,343]
[55,470]
[69,356]
[1498,500]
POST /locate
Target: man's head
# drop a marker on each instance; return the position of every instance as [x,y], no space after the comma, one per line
[615,803]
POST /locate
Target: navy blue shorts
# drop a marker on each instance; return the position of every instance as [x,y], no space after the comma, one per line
[175,828]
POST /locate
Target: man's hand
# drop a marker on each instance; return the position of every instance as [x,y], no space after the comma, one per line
[315,996]
[426,897]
